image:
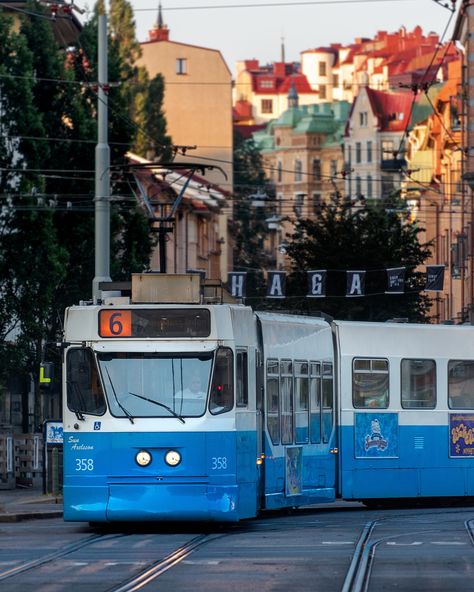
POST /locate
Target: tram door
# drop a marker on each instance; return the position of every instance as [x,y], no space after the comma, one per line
[327,437]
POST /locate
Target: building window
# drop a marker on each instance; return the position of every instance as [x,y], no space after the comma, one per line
[358,149]
[369,151]
[333,168]
[358,186]
[322,91]
[266,83]
[316,203]
[299,202]
[322,69]
[181,66]
[335,80]
[370,188]
[349,156]
[267,106]
[316,169]
[298,170]
[363,119]
[279,172]
[387,150]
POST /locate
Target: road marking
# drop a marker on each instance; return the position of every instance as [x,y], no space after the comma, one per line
[447,543]
[337,543]
[404,544]
[201,562]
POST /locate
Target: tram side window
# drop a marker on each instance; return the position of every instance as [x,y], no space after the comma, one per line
[286,389]
[461,384]
[301,402]
[315,401]
[327,401]
[242,393]
[273,400]
[370,383]
[418,384]
[222,388]
[84,390]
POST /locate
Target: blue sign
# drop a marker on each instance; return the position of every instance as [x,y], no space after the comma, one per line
[376,435]
[461,434]
[54,432]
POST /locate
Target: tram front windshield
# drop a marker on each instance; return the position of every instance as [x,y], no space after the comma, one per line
[155,385]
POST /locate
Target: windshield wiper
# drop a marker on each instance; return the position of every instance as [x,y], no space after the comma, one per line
[160,405]
[116,398]
[80,398]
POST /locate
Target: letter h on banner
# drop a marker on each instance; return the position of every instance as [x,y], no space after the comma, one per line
[237,284]
[276,284]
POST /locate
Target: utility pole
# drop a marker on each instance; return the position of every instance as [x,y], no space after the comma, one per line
[102,168]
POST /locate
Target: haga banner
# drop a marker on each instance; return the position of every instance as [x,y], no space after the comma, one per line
[237,284]
[395,280]
[355,283]
[276,284]
[316,284]
[434,278]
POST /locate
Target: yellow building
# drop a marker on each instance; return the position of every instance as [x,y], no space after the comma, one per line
[197,107]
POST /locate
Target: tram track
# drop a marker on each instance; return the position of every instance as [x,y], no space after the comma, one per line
[148,574]
[151,573]
[358,575]
[60,553]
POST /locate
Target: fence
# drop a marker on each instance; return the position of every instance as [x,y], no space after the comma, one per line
[21,460]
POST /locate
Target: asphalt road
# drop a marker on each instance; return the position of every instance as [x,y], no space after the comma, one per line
[319,549]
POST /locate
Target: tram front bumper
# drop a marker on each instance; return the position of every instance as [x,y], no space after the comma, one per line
[172,502]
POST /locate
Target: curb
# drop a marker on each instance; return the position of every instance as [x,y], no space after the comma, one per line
[22,516]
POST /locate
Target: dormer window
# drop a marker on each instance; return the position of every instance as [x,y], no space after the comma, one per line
[266,83]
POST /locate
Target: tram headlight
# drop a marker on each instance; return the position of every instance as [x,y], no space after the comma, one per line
[143,458]
[172,458]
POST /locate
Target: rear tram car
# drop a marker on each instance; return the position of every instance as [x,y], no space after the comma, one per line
[406,410]
[215,412]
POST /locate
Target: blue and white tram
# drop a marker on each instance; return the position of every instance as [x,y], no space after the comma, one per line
[195,412]
[406,410]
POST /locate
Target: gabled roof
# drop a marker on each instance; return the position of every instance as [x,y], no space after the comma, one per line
[391,109]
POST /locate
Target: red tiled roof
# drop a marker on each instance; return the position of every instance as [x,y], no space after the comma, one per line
[392,109]
[300,83]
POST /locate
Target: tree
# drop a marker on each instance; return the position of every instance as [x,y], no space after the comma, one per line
[359,236]
[47,139]
[249,228]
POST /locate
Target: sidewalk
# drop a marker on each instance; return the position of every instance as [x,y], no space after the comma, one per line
[28,504]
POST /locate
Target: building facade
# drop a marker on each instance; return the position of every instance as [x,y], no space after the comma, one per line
[198,110]
[302,151]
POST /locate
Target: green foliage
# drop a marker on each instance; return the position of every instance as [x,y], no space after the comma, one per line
[359,236]
[49,132]
[249,228]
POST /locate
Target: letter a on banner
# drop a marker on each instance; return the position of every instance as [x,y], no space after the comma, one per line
[316,284]
[395,280]
[276,284]
[434,278]
[355,283]
[237,284]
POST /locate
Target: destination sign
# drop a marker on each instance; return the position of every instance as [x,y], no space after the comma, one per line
[152,322]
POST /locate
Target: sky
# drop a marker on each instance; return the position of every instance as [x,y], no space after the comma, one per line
[248,29]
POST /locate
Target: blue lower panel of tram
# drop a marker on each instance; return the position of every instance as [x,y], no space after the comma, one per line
[215,480]
[403,462]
